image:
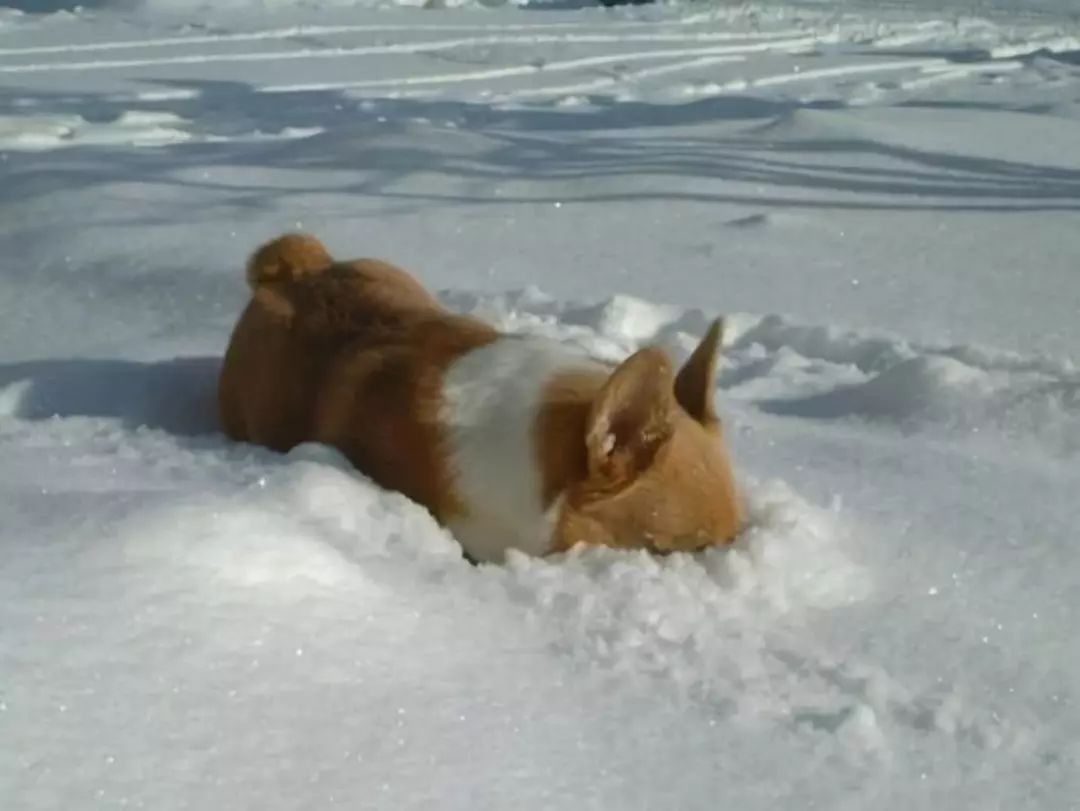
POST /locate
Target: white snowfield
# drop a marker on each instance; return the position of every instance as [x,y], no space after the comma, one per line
[883,203]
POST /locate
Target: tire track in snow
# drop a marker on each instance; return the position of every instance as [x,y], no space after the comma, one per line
[433,46]
[954,72]
[702,57]
[914,34]
[336,30]
[711,56]
[830,73]
[634,76]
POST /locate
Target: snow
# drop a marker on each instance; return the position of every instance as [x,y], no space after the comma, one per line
[882,202]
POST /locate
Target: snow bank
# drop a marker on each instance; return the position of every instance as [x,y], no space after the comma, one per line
[49,132]
[826,373]
[225,611]
[234,621]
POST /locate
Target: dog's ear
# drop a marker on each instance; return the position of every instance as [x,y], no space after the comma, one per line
[695,383]
[630,419]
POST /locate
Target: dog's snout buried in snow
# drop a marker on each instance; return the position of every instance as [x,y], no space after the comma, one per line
[510,441]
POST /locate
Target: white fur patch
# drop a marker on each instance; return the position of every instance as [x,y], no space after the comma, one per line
[492,397]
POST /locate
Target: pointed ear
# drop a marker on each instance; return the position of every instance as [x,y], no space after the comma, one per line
[696,380]
[631,418]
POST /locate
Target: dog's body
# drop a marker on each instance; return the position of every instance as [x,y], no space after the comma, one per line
[509,441]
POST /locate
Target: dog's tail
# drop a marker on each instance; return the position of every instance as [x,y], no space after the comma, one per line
[287,258]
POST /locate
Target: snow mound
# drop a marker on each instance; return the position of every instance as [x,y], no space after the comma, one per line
[708,624]
[724,629]
[721,628]
[253,519]
[947,393]
[34,133]
[948,390]
[825,372]
[134,128]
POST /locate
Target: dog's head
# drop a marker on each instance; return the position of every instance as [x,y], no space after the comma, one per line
[658,474]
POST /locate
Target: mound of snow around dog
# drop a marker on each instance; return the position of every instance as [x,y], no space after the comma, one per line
[278,626]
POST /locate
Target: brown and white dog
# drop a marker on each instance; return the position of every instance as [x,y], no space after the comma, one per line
[510,441]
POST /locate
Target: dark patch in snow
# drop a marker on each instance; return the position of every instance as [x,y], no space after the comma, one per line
[177,396]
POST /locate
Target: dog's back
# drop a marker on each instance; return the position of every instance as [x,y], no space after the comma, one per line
[348,354]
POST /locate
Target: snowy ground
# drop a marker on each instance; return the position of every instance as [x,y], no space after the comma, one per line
[885,204]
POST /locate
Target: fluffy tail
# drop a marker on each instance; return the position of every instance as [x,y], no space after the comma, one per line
[287,258]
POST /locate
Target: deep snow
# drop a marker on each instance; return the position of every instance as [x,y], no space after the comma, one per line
[883,204]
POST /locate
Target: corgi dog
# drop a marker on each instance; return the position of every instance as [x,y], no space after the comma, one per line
[510,441]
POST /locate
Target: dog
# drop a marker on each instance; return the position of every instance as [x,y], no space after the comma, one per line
[510,441]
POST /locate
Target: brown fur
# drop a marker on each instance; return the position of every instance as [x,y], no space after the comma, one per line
[648,473]
[353,354]
[567,402]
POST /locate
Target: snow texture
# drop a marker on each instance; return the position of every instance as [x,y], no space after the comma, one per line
[881,202]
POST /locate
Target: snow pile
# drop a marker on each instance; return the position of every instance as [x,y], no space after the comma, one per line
[240,576]
[947,389]
[219,606]
[290,595]
[827,373]
[49,132]
[708,624]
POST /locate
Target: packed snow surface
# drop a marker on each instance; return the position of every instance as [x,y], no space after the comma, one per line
[884,203]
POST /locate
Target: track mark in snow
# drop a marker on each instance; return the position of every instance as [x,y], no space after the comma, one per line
[731,55]
[336,30]
[915,34]
[831,73]
[621,78]
[949,73]
[435,46]
[749,221]
[719,56]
